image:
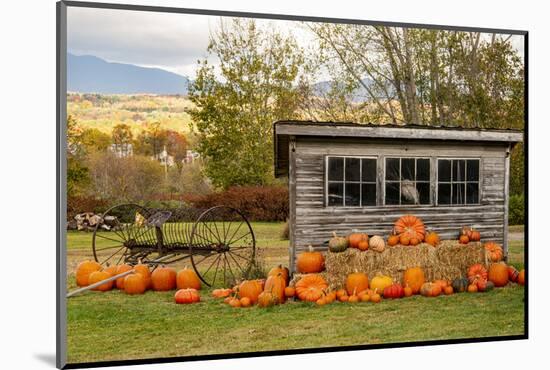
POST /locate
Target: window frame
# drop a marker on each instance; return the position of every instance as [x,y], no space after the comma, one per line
[383,182]
[343,182]
[479,180]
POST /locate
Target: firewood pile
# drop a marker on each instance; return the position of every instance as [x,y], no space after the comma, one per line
[87,221]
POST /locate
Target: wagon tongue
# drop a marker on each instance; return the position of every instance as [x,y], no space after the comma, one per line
[159,218]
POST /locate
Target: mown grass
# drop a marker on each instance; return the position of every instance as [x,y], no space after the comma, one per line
[115,326]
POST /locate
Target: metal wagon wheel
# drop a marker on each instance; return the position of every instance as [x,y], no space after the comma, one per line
[222,246]
[124,228]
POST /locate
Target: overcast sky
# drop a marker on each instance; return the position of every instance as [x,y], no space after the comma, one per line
[169,41]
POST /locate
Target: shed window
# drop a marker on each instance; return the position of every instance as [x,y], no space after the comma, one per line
[457,181]
[351,182]
[407,181]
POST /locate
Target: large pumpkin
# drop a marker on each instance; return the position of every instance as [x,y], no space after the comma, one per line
[135,284]
[355,238]
[186,296]
[83,271]
[280,270]
[494,251]
[163,279]
[144,270]
[188,278]
[311,287]
[414,278]
[251,289]
[338,244]
[498,274]
[477,272]
[310,261]
[460,285]
[430,290]
[98,276]
[276,285]
[411,226]
[380,282]
[119,270]
[394,291]
[356,282]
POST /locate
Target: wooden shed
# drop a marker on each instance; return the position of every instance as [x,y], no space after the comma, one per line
[345,176]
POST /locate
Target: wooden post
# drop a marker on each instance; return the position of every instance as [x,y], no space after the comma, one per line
[292,202]
[506,200]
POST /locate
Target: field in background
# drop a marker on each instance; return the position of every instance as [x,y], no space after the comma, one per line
[103,112]
[115,326]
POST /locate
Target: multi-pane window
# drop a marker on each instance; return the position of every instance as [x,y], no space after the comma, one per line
[351,182]
[457,181]
[407,181]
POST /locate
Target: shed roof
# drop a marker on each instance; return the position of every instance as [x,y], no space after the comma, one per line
[282,130]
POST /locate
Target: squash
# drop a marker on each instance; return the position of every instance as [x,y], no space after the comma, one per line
[83,271]
[411,226]
[338,244]
[186,296]
[356,282]
[394,291]
[432,238]
[276,286]
[280,270]
[163,279]
[188,278]
[477,272]
[414,278]
[498,274]
[98,276]
[460,285]
[311,287]
[494,251]
[380,282]
[354,239]
[135,284]
[430,290]
[377,244]
[251,289]
[310,262]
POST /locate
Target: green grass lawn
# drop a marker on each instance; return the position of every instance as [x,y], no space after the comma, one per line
[115,326]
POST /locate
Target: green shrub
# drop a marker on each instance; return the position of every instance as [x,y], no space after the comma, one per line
[516,210]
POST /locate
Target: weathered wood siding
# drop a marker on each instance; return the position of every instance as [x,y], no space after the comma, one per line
[313,222]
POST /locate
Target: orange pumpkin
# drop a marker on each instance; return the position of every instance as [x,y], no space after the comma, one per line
[276,286]
[521,277]
[266,299]
[290,291]
[98,276]
[477,272]
[163,279]
[412,226]
[363,245]
[311,287]
[414,241]
[245,302]
[251,289]
[430,290]
[355,238]
[111,270]
[407,291]
[442,283]
[375,298]
[221,293]
[475,235]
[235,302]
[119,270]
[404,239]
[432,238]
[186,296]
[83,271]
[448,290]
[135,284]
[498,274]
[188,278]
[144,270]
[472,288]
[463,239]
[393,239]
[494,251]
[356,282]
[414,278]
[310,261]
[280,270]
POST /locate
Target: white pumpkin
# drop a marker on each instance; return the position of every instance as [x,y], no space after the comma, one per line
[377,243]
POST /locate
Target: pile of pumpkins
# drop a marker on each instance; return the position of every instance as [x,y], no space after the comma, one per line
[142,279]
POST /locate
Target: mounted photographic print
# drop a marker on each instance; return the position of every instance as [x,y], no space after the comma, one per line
[237,184]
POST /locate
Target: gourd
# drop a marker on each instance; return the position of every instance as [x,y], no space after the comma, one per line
[251,289]
[338,244]
[83,271]
[354,239]
[356,282]
[163,279]
[411,226]
[498,274]
[380,282]
[494,251]
[376,243]
[414,278]
[311,287]
[188,278]
[460,285]
[310,261]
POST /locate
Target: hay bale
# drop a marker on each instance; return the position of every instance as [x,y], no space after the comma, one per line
[448,261]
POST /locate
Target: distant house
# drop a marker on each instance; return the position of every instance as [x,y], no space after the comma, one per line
[164,158]
[122,150]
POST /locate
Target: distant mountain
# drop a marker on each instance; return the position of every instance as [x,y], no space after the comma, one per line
[90,74]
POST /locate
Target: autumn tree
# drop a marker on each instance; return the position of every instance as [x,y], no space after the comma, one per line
[122,137]
[253,84]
